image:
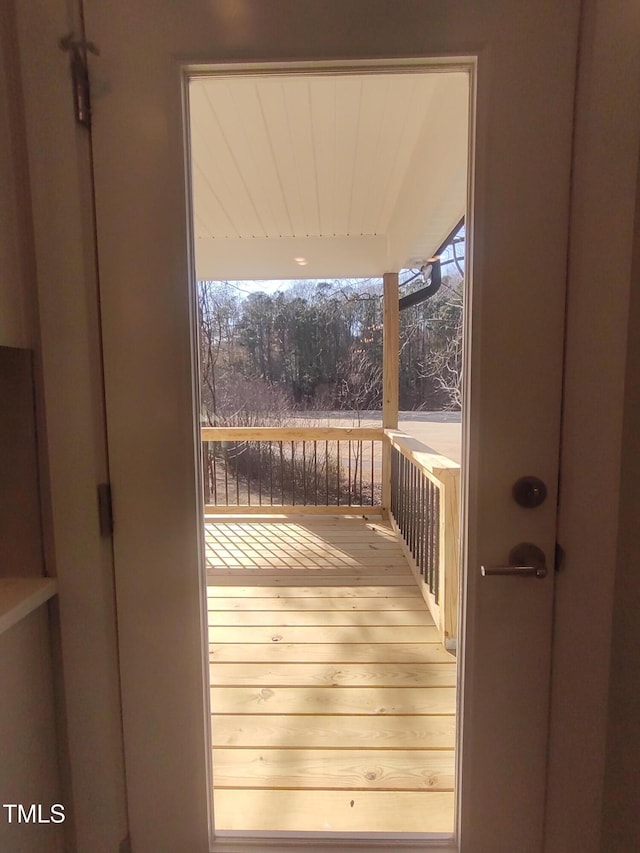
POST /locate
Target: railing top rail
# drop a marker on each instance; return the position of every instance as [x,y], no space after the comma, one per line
[433,465]
[292,433]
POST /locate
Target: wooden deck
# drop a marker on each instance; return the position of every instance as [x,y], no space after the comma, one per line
[333,700]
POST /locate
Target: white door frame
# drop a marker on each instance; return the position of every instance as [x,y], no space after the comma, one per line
[293,841]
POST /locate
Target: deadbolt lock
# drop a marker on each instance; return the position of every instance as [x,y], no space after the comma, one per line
[529,492]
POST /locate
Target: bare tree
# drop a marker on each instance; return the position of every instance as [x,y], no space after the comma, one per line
[218,315]
[443,363]
[361,391]
[361,383]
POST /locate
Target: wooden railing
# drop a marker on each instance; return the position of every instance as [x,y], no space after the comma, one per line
[425,512]
[309,469]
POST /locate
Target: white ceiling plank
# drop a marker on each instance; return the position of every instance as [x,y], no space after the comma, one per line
[215,159]
[228,105]
[280,149]
[419,95]
[364,177]
[445,211]
[433,194]
[396,105]
[322,93]
[200,230]
[222,170]
[246,92]
[346,131]
[300,164]
[377,143]
[208,208]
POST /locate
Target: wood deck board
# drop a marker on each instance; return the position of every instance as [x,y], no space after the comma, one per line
[250,592]
[331,769]
[278,674]
[329,653]
[310,579]
[333,701]
[265,810]
[321,618]
[324,731]
[303,605]
[323,634]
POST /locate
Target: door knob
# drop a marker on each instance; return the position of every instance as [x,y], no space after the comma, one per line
[525,560]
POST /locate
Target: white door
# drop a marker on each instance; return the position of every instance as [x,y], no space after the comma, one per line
[522,60]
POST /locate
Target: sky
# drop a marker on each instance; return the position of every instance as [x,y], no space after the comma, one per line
[275,285]
[270,286]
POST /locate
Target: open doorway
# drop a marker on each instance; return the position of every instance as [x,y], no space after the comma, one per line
[331,520]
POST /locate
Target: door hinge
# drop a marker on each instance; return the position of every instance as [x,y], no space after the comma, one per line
[105,509]
[77,48]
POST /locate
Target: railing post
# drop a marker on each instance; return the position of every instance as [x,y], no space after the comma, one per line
[205,472]
[449,551]
[390,355]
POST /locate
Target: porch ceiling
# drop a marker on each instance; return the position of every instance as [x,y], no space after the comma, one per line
[357,174]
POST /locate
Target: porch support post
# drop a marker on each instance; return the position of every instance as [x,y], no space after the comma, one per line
[390,357]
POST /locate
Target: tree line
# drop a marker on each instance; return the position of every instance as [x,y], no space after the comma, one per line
[318,346]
